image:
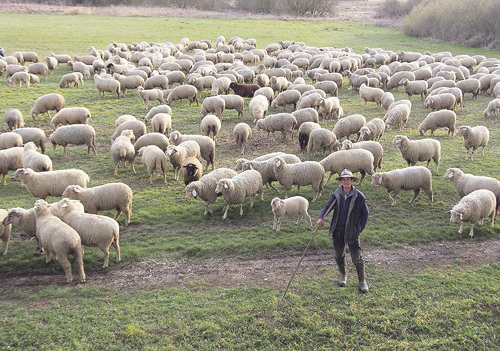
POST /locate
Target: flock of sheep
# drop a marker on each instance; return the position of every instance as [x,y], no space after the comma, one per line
[274,78]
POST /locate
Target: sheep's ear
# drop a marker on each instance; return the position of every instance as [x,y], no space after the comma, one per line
[225,185]
[461,216]
[380,179]
[76,190]
[251,167]
[278,163]
[193,192]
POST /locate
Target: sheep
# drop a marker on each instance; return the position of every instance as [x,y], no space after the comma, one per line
[278,84]
[438,119]
[110,196]
[236,189]
[178,153]
[292,205]
[266,168]
[47,102]
[459,98]
[321,138]
[20,77]
[107,84]
[58,239]
[473,208]
[417,87]
[205,187]
[75,78]
[418,150]
[283,122]
[75,134]
[10,139]
[202,83]
[128,82]
[210,126]
[158,109]
[373,130]
[239,162]
[300,174]
[303,115]
[441,101]
[124,118]
[207,145]
[39,68]
[14,119]
[310,99]
[304,132]
[10,159]
[213,104]
[161,123]
[411,178]
[94,230]
[150,95]
[71,115]
[474,138]
[371,94]
[191,169]
[158,139]
[12,69]
[137,127]
[373,146]
[258,107]
[356,160]
[470,85]
[328,86]
[159,81]
[386,99]
[265,91]
[52,63]
[262,80]
[396,79]
[493,108]
[183,92]
[220,86]
[244,90]
[397,115]
[234,102]
[5,231]
[154,159]
[122,150]
[35,135]
[32,159]
[346,126]
[241,134]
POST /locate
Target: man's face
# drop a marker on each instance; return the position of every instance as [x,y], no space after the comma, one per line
[346,182]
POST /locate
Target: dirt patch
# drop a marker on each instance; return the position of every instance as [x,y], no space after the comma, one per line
[267,271]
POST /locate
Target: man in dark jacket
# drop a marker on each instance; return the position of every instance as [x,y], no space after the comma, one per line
[350,215]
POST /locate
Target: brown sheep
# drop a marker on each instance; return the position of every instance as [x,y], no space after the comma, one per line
[244,90]
[191,169]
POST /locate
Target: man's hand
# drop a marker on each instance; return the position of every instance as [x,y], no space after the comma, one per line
[320,222]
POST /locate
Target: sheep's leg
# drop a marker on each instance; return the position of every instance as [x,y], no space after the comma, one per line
[3,179]
[299,219]
[471,233]
[66,265]
[241,209]
[309,219]
[66,150]
[252,199]
[226,208]
[392,199]
[106,256]
[275,222]
[269,185]
[133,167]
[116,169]
[127,220]
[116,245]
[460,231]
[78,255]
[208,210]
[278,225]
[416,192]
[363,174]
[118,213]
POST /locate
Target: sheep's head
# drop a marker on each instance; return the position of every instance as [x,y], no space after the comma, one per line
[376,179]
[450,173]
[456,214]
[12,214]
[276,202]
[398,140]
[21,173]
[41,206]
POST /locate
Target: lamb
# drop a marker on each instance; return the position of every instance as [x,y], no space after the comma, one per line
[191,169]
[154,159]
[10,139]
[473,208]
[322,138]
[150,94]
[32,159]
[5,231]
[411,178]
[258,107]
[158,139]
[292,205]
[234,102]
[300,174]
[397,115]
[50,183]
[110,196]
[373,146]
[94,230]
[183,92]
[58,239]
[356,160]
[213,104]
[107,84]
[418,150]
[71,115]
[161,123]
[441,101]
[178,153]
[14,119]
[244,90]
[122,150]
[207,145]
[10,159]
[46,103]
[35,135]
[371,94]
[493,108]
[304,132]
[20,77]
[373,130]
[75,78]
[210,126]
[266,168]
[75,134]
[205,187]
[137,127]
[346,126]
[283,122]
[241,134]
[417,87]
[438,119]
[159,81]
[474,138]
[238,188]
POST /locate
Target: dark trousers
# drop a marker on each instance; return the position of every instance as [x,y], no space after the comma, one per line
[339,249]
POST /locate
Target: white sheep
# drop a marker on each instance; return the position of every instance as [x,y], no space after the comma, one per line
[205,187]
[20,77]
[234,102]
[474,138]
[150,95]
[242,132]
[238,188]
[283,122]
[417,87]
[10,159]
[470,85]
[439,119]
[110,196]
[493,108]
[207,145]
[75,134]
[414,151]
[161,123]
[9,140]
[122,150]
[155,160]
[304,132]
[441,101]
[373,146]
[158,109]
[349,125]
[397,114]
[75,78]
[183,92]
[107,84]
[136,126]
[322,138]
[39,68]
[355,160]
[94,230]
[287,97]
[473,208]
[34,160]
[58,239]
[124,118]
[213,104]
[5,231]
[35,135]
[329,107]
[267,92]
[46,103]
[158,139]
[210,126]
[411,178]
[293,205]
[373,130]
[371,94]
[14,119]
[71,115]
[258,107]
[178,153]
[220,86]
[128,82]
[300,174]
[303,115]
[387,99]
[266,168]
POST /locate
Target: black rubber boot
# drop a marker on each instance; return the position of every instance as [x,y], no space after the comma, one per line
[360,269]
[342,278]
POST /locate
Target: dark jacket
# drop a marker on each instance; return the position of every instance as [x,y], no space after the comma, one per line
[357,214]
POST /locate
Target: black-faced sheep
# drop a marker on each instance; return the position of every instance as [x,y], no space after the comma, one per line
[191,169]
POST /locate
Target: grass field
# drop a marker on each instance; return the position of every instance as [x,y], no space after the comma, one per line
[438,308]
